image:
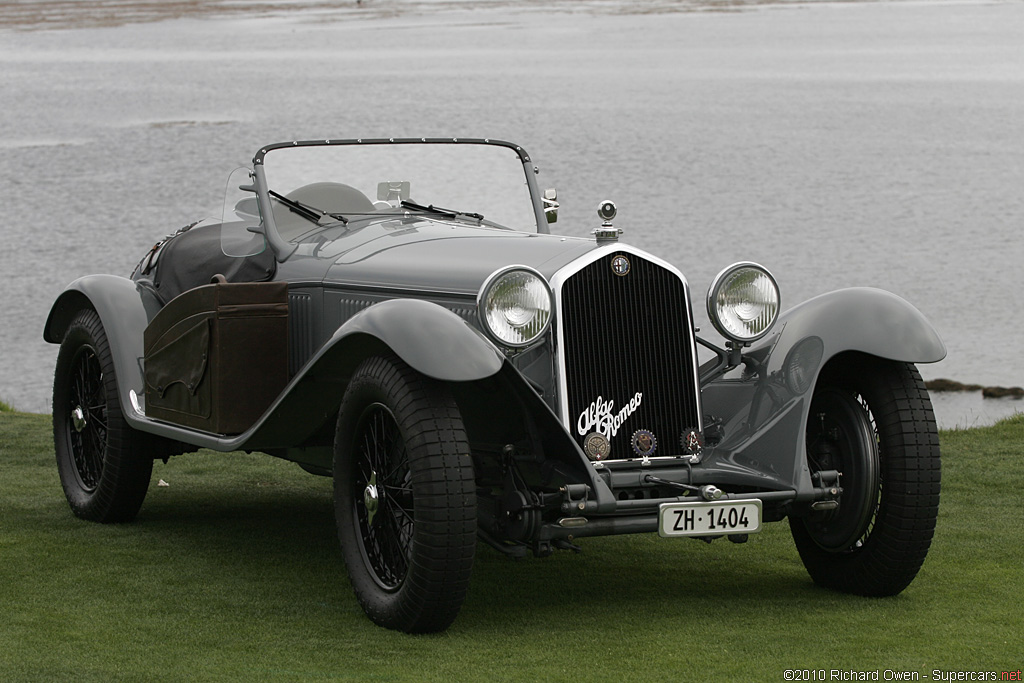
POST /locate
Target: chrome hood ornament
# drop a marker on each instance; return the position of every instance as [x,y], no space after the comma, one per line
[607,232]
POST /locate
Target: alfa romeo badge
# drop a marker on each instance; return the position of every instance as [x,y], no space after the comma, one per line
[620,265]
[644,443]
[596,446]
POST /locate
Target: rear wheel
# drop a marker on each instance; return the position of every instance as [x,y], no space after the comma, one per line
[872,421]
[104,464]
[404,496]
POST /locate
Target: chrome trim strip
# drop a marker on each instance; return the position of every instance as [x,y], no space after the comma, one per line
[682,459]
[557,282]
[137,402]
[394,292]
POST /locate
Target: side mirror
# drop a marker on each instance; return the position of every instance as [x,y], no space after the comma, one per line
[551,204]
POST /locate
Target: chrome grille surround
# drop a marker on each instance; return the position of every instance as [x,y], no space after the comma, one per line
[644,343]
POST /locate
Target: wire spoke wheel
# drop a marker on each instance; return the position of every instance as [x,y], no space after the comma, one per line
[88,418]
[382,497]
[404,496]
[104,464]
[871,420]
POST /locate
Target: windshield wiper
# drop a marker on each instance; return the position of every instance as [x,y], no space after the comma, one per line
[310,213]
[450,213]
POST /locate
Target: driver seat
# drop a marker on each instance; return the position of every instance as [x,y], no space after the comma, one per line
[326,196]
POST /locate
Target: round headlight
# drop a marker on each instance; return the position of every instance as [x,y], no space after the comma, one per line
[515,306]
[743,302]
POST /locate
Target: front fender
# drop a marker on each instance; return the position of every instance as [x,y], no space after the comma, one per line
[429,338]
[864,319]
[124,311]
[765,408]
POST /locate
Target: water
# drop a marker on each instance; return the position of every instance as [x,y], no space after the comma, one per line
[838,144]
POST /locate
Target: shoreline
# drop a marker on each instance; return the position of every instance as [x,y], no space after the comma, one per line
[44,15]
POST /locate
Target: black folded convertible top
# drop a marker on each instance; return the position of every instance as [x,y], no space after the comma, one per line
[192,256]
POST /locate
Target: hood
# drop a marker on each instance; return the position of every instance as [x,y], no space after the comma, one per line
[446,257]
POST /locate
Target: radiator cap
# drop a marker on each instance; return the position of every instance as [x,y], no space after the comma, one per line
[607,233]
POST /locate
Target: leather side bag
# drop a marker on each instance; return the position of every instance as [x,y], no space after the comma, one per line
[216,356]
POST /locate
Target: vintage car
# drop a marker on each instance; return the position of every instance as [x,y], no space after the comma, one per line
[395,314]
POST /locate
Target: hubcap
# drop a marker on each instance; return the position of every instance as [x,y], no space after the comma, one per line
[78,420]
[370,498]
[843,438]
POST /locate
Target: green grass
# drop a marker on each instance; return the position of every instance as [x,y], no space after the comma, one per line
[233,572]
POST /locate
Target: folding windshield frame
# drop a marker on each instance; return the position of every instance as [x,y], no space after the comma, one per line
[283,249]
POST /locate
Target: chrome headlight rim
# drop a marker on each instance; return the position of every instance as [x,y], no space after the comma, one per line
[726,278]
[486,289]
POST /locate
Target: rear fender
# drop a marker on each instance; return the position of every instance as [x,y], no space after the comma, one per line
[124,309]
[765,406]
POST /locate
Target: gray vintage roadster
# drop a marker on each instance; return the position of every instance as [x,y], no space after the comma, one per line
[395,314]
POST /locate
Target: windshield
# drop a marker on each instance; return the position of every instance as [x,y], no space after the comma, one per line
[313,187]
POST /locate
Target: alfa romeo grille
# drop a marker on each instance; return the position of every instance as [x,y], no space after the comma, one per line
[624,335]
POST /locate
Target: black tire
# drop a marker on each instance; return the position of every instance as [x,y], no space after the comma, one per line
[104,464]
[871,420]
[400,445]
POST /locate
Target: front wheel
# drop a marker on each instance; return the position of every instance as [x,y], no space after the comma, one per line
[104,464]
[404,497]
[872,421]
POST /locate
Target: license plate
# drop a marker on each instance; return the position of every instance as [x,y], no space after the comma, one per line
[710,519]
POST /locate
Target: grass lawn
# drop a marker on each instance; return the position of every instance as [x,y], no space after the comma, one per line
[232,571]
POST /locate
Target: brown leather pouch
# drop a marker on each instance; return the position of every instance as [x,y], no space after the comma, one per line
[216,356]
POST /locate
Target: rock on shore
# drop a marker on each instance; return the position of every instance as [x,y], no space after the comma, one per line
[986,392]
